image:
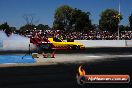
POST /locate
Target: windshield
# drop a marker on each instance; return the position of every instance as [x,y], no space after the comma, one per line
[56,40]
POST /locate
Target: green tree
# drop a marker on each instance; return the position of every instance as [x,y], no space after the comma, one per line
[0,27]
[130,21]
[109,20]
[43,27]
[5,27]
[68,18]
[62,18]
[26,28]
[124,28]
[80,20]
[13,29]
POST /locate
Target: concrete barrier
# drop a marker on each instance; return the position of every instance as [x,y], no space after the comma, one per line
[102,43]
[24,45]
[129,43]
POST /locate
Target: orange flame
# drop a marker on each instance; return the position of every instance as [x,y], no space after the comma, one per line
[81,71]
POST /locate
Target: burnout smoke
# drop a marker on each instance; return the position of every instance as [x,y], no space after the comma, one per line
[14,42]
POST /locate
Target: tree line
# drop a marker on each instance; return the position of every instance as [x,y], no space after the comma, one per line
[73,19]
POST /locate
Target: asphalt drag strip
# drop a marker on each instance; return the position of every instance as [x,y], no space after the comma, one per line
[60,72]
[64,74]
[80,58]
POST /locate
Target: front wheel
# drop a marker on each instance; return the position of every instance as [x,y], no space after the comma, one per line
[70,47]
[78,47]
[75,47]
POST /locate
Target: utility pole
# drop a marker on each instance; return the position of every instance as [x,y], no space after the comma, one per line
[119,22]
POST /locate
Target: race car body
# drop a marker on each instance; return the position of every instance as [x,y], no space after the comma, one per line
[55,43]
[60,44]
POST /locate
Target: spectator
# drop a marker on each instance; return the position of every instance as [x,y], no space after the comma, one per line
[89,35]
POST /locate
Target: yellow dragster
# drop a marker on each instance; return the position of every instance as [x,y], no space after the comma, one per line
[60,44]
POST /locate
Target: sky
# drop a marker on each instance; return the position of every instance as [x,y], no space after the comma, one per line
[12,11]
